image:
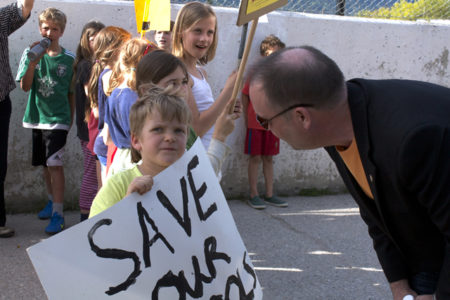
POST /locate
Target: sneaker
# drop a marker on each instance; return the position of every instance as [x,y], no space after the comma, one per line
[56,224]
[256,202]
[46,212]
[6,232]
[275,201]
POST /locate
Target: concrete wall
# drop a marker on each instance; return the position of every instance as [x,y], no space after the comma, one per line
[363,48]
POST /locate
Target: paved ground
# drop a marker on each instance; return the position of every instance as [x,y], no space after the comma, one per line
[317,248]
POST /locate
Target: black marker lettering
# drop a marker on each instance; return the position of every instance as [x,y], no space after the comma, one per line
[236,280]
[249,269]
[199,193]
[211,255]
[184,222]
[144,216]
[116,254]
[180,282]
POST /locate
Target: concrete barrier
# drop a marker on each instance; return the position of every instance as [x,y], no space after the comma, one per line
[361,47]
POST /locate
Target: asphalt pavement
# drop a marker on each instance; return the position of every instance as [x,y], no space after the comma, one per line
[317,248]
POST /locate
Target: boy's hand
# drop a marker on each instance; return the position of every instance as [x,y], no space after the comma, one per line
[141,185]
[36,61]
[27,80]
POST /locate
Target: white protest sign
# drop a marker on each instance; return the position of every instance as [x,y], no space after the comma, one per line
[178,241]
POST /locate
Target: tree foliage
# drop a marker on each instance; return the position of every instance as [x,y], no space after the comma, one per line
[404,10]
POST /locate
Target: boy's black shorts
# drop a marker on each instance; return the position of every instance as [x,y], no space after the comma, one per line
[48,147]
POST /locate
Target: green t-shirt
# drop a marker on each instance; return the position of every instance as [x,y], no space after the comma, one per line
[48,103]
[114,190]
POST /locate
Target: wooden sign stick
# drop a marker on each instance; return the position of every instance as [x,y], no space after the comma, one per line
[248,45]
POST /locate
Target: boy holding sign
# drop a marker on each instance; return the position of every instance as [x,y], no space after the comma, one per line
[158,125]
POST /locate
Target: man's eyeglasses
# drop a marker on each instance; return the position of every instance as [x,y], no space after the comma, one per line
[265,122]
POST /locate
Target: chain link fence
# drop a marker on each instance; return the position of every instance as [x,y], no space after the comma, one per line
[385,9]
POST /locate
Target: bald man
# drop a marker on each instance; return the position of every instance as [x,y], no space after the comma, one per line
[12,17]
[390,141]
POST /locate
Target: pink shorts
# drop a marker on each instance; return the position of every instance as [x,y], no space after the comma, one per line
[261,142]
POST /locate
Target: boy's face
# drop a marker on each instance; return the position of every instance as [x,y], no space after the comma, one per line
[161,142]
[51,30]
[164,39]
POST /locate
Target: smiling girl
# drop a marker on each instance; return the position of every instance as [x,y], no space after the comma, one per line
[194,42]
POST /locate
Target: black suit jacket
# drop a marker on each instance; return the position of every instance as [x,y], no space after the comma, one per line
[402,129]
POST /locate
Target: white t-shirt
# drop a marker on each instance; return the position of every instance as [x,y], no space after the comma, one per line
[204,98]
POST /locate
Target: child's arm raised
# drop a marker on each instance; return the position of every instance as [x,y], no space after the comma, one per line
[218,150]
[27,79]
[26,8]
[203,121]
[224,125]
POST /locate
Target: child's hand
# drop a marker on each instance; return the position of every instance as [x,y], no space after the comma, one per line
[225,122]
[238,107]
[141,185]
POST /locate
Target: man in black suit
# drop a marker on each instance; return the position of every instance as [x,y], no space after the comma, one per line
[390,140]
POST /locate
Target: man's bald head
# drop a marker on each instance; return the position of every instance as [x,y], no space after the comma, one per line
[300,75]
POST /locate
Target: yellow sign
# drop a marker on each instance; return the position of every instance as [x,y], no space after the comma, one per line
[255,5]
[250,10]
[152,15]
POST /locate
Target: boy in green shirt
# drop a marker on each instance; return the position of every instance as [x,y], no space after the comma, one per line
[49,110]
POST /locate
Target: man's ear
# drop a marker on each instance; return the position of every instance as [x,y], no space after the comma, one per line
[135,142]
[302,117]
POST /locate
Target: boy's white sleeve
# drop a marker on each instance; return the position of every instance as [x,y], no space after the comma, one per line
[217,152]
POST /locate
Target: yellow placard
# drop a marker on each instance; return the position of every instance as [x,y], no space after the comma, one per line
[139,8]
[250,10]
[152,15]
[160,15]
[255,5]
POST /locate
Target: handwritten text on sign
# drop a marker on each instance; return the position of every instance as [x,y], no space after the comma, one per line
[179,241]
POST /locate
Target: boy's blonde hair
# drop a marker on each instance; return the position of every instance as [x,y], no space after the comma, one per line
[154,99]
[188,16]
[129,57]
[54,15]
[107,45]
